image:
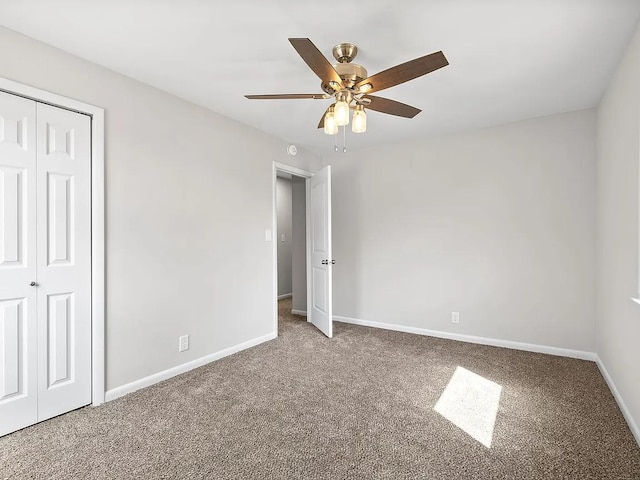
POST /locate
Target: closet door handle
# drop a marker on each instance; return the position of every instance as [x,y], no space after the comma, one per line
[33,284]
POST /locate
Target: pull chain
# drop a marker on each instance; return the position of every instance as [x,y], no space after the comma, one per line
[344,139]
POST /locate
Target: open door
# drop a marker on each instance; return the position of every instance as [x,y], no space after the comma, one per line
[321,301]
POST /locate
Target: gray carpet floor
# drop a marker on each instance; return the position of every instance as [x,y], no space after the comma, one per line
[358,406]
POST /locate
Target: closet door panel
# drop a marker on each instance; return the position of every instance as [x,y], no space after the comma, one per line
[64,263]
[18,334]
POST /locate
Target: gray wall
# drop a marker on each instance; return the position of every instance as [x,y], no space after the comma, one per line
[618,318]
[299,200]
[188,200]
[497,224]
[283,203]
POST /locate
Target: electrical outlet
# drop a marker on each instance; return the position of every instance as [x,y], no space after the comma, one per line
[183,343]
[455,317]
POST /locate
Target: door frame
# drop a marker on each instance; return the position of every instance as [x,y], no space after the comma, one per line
[298,172]
[97,221]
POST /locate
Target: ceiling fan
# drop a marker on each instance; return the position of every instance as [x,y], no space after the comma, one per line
[350,86]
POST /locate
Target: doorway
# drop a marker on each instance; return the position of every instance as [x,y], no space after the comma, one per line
[290,237]
[290,273]
[290,242]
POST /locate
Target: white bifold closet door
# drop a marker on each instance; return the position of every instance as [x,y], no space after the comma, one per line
[45,261]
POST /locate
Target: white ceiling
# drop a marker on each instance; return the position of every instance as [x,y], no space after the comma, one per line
[509,59]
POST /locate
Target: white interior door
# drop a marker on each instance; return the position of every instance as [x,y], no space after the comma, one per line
[321,308]
[45,261]
[18,329]
[64,260]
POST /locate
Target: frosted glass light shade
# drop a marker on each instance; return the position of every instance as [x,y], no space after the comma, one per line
[341,110]
[330,125]
[359,120]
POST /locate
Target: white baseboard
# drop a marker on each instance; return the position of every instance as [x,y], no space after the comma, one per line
[616,394]
[285,295]
[185,367]
[299,312]
[529,347]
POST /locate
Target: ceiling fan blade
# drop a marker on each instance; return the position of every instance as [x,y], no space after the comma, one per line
[321,124]
[316,61]
[391,107]
[404,72]
[288,96]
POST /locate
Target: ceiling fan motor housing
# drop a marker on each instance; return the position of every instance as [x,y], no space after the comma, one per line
[350,73]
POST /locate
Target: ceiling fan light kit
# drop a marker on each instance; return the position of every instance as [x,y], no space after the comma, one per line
[349,85]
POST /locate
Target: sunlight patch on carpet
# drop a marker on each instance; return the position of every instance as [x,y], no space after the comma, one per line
[471,403]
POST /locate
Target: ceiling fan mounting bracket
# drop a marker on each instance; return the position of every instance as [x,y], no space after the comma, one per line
[345,52]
